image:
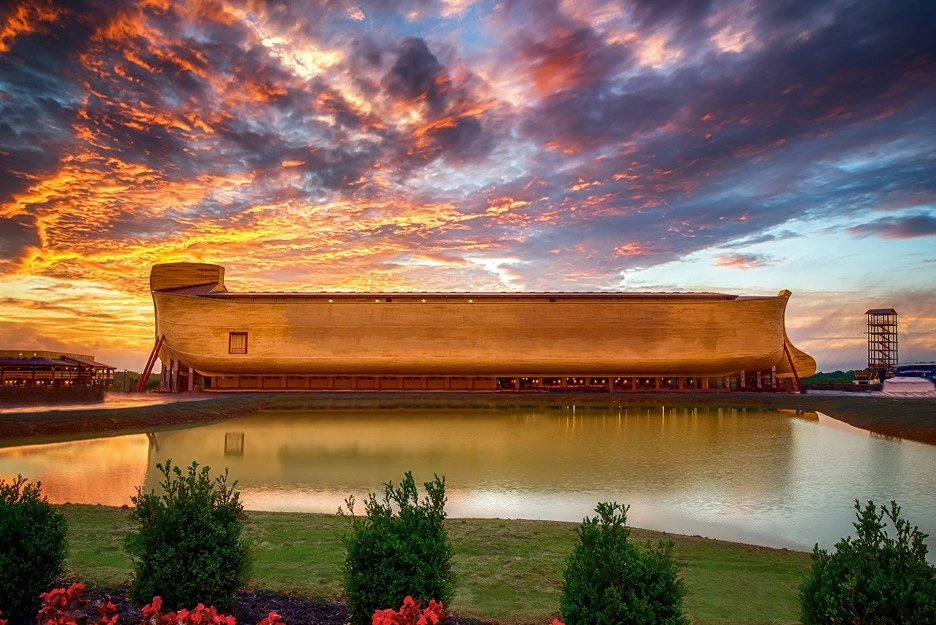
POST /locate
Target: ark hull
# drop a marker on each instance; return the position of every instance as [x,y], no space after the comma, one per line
[487,335]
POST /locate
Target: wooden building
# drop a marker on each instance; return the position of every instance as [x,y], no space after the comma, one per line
[29,368]
[221,340]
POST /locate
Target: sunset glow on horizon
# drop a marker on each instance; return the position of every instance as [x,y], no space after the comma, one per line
[458,145]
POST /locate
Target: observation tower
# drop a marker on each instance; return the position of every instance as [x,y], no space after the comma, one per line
[882,341]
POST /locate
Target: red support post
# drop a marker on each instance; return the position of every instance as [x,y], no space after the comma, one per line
[150,363]
[789,356]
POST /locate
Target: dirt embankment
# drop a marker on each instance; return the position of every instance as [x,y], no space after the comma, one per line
[908,418]
[51,425]
[913,419]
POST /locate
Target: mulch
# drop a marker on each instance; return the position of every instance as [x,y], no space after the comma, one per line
[250,607]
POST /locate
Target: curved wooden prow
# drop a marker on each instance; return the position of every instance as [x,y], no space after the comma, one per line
[800,363]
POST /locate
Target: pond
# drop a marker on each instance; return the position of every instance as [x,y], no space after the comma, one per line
[768,477]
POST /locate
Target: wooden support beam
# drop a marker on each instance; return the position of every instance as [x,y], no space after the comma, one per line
[151,361]
[786,350]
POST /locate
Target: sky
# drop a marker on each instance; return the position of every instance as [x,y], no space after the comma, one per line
[737,146]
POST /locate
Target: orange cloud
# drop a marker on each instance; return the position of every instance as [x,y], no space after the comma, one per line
[629,249]
[742,261]
[497,206]
[440,259]
[27,18]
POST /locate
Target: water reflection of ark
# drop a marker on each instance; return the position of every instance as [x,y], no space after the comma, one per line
[496,462]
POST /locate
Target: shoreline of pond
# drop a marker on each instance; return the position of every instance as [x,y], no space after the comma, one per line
[906,418]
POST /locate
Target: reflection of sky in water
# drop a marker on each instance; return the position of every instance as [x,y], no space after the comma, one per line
[104,470]
[766,477]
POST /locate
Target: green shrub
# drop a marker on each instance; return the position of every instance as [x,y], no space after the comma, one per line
[389,556]
[32,548]
[608,581]
[188,547]
[872,578]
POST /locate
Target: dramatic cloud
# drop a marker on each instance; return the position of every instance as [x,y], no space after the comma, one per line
[417,76]
[17,235]
[898,227]
[742,261]
[729,145]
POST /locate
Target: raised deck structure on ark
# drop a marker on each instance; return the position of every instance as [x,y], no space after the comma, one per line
[208,337]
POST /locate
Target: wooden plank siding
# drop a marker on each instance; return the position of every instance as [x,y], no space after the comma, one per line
[464,341]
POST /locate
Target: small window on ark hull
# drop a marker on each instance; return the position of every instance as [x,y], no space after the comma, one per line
[237,343]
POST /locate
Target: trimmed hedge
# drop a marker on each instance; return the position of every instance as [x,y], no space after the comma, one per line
[608,581]
[391,556]
[33,547]
[873,578]
[188,548]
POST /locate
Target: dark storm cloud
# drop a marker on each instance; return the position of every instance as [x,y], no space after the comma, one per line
[338,168]
[589,118]
[791,90]
[905,227]
[34,132]
[586,142]
[139,100]
[244,125]
[689,140]
[652,12]
[150,104]
[47,93]
[398,6]
[461,138]
[861,63]
[365,53]
[576,59]
[452,123]
[37,101]
[417,75]
[17,234]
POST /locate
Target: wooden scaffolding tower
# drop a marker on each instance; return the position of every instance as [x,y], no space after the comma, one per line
[882,341]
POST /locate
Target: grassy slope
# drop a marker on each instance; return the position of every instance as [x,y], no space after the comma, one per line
[508,571]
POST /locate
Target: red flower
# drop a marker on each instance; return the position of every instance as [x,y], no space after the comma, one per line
[435,611]
[271,618]
[384,617]
[410,614]
[64,606]
[153,608]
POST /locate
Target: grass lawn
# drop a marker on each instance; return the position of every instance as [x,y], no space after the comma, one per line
[508,571]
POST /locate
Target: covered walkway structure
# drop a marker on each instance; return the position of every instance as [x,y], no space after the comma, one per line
[22,368]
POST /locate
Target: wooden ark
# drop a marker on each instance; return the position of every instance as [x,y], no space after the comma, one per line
[209,336]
